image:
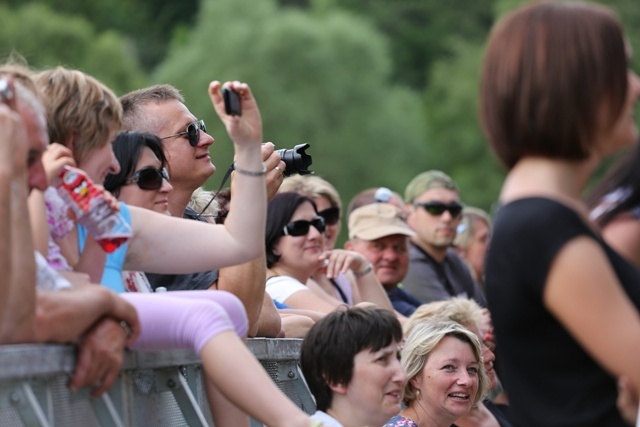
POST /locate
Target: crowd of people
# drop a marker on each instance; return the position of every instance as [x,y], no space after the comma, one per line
[432,314]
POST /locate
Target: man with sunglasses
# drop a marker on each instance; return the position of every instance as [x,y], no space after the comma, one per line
[436,272]
[160,110]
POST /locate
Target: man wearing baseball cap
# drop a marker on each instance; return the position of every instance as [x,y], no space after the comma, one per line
[379,232]
[436,272]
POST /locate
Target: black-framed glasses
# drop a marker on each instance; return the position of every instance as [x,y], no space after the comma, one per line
[331,216]
[301,227]
[438,208]
[192,132]
[149,179]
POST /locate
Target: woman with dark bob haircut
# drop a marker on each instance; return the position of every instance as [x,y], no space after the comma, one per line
[295,250]
[128,148]
[556,99]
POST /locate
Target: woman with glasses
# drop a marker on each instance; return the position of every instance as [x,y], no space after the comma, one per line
[344,287]
[296,250]
[557,97]
[85,114]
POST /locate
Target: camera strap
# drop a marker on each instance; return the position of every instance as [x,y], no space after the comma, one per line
[226,176]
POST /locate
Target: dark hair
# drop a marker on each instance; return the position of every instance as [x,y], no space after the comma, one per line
[328,350]
[279,212]
[224,200]
[549,69]
[619,190]
[127,147]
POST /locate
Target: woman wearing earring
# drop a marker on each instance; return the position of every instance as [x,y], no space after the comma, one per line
[446,376]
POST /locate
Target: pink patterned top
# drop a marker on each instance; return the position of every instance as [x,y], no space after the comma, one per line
[59,226]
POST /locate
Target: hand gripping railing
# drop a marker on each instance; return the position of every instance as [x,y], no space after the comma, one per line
[154,388]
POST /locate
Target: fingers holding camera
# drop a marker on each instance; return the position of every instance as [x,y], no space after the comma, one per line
[245,128]
[275,168]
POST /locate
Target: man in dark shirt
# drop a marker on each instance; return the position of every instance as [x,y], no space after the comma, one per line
[436,272]
[379,232]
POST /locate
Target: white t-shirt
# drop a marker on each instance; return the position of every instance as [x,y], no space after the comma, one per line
[326,419]
[280,288]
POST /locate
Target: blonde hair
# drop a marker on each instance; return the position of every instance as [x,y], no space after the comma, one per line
[80,110]
[311,186]
[467,226]
[461,310]
[423,337]
[199,199]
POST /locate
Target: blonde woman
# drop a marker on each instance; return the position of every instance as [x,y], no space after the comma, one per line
[469,314]
[446,376]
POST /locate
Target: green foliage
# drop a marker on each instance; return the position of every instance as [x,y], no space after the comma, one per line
[321,79]
[455,142]
[47,39]
[419,29]
[148,23]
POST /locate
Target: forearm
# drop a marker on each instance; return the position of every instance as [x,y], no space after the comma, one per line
[246,220]
[371,290]
[63,316]
[269,323]
[247,282]
[21,300]
[38,216]
[92,259]
[5,248]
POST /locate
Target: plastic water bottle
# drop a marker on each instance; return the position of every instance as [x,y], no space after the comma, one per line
[90,208]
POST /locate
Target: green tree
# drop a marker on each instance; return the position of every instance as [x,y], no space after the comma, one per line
[455,142]
[321,79]
[47,39]
[418,29]
[148,24]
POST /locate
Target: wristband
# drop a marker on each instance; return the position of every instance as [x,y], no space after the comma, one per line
[368,269]
[250,173]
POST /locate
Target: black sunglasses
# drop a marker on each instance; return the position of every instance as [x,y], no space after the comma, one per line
[438,208]
[331,216]
[192,132]
[301,227]
[149,179]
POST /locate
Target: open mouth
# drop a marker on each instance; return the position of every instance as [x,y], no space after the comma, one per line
[459,396]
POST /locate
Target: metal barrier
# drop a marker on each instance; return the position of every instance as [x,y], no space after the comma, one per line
[163,388]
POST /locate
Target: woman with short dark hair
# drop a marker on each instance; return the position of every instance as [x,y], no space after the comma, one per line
[557,97]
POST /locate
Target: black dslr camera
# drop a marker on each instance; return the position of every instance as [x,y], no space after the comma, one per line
[296,159]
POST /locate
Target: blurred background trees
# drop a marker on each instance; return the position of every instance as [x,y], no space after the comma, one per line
[381,89]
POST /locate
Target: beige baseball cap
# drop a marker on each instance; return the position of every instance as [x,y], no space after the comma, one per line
[377,220]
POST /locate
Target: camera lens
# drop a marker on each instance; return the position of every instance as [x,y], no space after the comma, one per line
[296,159]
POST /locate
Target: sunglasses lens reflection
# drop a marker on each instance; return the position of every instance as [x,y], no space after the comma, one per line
[301,227]
[437,209]
[193,132]
[150,179]
[330,215]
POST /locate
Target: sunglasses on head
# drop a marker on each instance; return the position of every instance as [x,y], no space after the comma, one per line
[301,227]
[331,216]
[438,208]
[149,179]
[192,132]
